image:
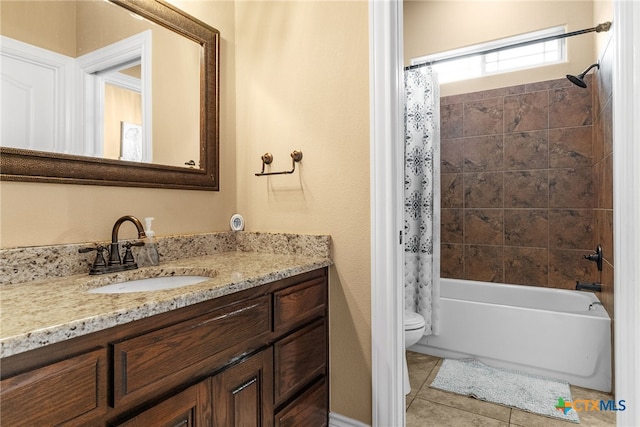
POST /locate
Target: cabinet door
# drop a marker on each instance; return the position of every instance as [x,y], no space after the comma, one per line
[243,394]
[189,408]
[71,391]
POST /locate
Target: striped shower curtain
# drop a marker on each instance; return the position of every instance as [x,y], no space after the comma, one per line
[422,195]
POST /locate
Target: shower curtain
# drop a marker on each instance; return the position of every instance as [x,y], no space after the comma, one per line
[422,195]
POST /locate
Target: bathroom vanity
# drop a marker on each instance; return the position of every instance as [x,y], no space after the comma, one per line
[249,347]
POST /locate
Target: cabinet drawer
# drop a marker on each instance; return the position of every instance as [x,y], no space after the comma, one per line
[162,357]
[295,305]
[298,359]
[70,390]
[310,409]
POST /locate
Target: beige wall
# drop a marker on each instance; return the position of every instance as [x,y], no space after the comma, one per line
[43,214]
[176,99]
[120,105]
[602,12]
[436,26]
[100,24]
[48,24]
[302,69]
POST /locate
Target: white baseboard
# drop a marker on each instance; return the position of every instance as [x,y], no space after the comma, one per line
[337,420]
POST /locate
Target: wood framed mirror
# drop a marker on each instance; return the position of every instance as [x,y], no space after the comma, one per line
[184,167]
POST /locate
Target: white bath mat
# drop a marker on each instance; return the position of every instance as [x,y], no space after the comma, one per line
[530,393]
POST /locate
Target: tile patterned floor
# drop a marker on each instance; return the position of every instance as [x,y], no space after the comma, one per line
[429,407]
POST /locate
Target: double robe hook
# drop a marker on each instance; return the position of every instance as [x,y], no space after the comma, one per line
[267,159]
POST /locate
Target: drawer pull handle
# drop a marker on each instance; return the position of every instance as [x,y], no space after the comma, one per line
[245,385]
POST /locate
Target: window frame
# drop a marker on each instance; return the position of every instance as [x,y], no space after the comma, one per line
[479,51]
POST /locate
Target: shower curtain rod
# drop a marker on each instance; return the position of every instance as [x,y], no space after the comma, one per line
[605,26]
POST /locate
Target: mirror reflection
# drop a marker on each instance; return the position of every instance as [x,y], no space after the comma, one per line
[90,78]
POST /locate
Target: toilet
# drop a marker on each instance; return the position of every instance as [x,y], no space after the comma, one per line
[414,325]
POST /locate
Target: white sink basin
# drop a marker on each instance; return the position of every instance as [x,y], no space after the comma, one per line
[151,284]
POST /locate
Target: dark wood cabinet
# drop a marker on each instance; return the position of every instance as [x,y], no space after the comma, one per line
[70,390]
[299,358]
[295,305]
[146,362]
[256,358]
[310,409]
[189,408]
[242,394]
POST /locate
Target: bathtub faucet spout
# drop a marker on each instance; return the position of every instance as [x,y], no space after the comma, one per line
[594,287]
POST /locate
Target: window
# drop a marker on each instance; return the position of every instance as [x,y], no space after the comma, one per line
[475,63]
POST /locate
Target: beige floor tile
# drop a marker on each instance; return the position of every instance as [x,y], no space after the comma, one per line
[420,366]
[418,361]
[588,418]
[434,372]
[527,419]
[407,401]
[488,409]
[423,413]
[594,418]
[587,393]
[597,418]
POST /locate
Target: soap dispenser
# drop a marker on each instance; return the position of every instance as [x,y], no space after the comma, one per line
[149,251]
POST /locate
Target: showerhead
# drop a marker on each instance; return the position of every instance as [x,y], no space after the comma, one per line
[579,79]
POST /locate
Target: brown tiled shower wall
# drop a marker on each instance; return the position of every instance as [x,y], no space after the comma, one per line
[518,198]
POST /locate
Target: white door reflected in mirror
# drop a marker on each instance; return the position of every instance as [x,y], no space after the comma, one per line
[73,86]
[67,105]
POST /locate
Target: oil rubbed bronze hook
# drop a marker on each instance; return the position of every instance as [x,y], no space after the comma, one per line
[296,156]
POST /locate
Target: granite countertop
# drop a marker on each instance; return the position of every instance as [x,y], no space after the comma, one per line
[44,312]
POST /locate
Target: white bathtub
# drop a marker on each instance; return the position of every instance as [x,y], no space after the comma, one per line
[542,331]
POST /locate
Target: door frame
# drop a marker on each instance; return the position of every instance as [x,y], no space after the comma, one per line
[626,208]
[386,151]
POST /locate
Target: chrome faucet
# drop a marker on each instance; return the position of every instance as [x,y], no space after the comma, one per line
[116,263]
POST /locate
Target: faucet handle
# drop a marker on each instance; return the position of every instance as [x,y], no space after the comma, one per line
[128,256]
[99,264]
[596,257]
